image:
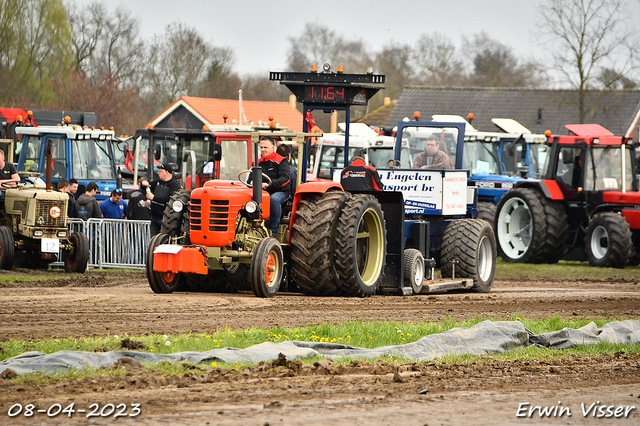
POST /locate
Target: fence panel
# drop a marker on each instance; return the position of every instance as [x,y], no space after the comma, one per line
[114,243]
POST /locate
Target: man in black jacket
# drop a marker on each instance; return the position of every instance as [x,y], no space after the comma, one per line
[161,191]
[357,176]
[277,168]
[86,206]
[139,208]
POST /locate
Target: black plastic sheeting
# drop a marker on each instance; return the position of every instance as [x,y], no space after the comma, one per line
[485,338]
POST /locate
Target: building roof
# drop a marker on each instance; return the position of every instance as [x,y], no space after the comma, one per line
[379,116]
[537,110]
[189,111]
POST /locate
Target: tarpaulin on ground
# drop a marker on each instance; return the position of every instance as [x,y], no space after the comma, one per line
[485,338]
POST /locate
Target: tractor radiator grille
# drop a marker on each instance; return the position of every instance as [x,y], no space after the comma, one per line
[195,213]
[42,214]
[218,215]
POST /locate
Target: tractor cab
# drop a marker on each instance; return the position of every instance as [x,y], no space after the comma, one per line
[84,154]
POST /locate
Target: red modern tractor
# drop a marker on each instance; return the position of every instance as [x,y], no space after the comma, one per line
[586,205]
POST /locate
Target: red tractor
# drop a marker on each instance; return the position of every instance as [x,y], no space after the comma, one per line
[585,206]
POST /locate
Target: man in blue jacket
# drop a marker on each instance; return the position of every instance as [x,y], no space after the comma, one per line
[114,207]
[277,168]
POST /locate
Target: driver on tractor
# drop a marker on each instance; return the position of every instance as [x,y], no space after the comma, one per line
[276,167]
[8,172]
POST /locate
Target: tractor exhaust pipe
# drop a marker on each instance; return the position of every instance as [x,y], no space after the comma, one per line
[256,177]
[48,160]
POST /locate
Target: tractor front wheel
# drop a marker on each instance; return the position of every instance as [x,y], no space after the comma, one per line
[267,266]
[413,266]
[162,282]
[471,244]
[608,240]
[76,259]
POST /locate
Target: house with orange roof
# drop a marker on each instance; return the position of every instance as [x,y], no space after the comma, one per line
[190,112]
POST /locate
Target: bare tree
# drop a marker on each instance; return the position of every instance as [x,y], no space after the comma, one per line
[495,65]
[87,26]
[318,45]
[395,62]
[588,36]
[436,60]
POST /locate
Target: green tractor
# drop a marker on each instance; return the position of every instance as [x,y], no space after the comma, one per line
[33,226]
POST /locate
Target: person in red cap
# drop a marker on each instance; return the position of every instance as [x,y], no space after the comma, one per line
[161,191]
[357,176]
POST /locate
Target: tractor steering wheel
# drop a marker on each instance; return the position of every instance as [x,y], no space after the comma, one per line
[249,184]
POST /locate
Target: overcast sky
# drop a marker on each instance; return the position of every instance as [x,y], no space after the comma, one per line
[258,31]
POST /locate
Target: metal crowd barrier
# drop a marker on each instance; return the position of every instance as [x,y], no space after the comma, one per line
[114,243]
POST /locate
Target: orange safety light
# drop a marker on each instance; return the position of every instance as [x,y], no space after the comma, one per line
[111,128]
[19,118]
[547,133]
[101,127]
[416,115]
[340,69]
[29,113]
[470,116]
[205,128]
[272,124]
[67,119]
[85,127]
[377,130]
[93,127]
[150,127]
[314,68]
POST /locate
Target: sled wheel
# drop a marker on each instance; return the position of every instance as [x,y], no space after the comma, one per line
[471,244]
[360,246]
[162,282]
[413,266]
[7,248]
[266,267]
[76,259]
[608,240]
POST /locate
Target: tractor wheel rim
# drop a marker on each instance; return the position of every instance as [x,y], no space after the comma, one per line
[599,242]
[418,274]
[271,270]
[485,259]
[370,239]
[515,226]
[168,276]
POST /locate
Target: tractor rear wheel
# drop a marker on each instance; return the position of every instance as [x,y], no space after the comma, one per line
[7,248]
[76,259]
[361,246]
[312,243]
[162,282]
[472,245]
[176,223]
[487,211]
[267,266]
[413,265]
[521,227]
[608,240]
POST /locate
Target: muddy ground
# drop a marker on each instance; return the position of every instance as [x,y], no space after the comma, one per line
[491,392]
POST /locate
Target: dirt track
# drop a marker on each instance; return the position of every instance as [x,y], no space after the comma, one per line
[97,305]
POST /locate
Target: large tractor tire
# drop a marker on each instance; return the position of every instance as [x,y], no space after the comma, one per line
[487,211]
[7,248]
[312,243]
[162,282]
[608,240]
[176,223]
[413,270]
[76,259]
[525,228]
[471,244]
[361,246]
[267,268]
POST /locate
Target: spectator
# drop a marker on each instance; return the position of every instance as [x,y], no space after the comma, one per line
[432,157]
[64,187]
[139,206]
[277,168]
[285,150]
[73,188]
[114,207]
[161,191]
[357,176]
[8,173]
[87,206]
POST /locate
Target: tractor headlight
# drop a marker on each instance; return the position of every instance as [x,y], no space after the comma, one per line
[38,233]
[177,206]
[55,212]
[251,207]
